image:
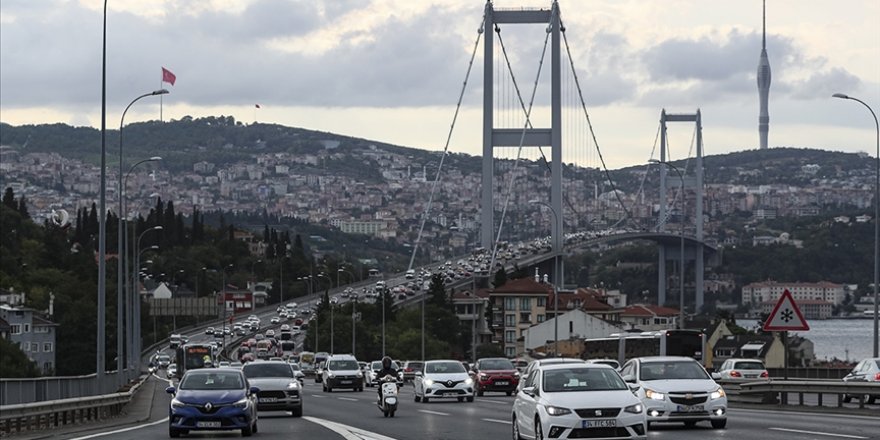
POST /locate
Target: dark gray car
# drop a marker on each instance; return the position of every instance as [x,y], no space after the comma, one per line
[280,390]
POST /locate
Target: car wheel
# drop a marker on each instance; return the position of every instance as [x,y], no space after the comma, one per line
[470,398]
[385,413]
[690,424]
[539,431]
[417,398]
[329,389]
[480,393]
[426,399]
[255,426]
[247,431]
[719,424]
[515,429]
[297,412]
[173,433]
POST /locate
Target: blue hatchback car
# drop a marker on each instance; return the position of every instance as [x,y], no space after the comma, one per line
[213,399]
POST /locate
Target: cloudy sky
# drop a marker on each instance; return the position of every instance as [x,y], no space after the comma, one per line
[392,70]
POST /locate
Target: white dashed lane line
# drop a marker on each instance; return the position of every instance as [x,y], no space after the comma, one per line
[436,413]
[505,422]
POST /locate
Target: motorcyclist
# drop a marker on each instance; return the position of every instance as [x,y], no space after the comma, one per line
[387,369]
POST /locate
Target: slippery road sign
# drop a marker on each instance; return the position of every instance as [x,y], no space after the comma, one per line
[786,316]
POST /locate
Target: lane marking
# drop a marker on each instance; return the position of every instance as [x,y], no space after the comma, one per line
[131,428]
[506,422]
[437,413]
[319,396]
[348,399]
[799,431]
[495,401]
[348,432]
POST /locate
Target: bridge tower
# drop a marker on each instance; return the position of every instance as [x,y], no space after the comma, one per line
[698,209]
[528,137]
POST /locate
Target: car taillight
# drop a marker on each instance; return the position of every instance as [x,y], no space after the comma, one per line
[765,374]
[408,370]
[735,373]
[877,377]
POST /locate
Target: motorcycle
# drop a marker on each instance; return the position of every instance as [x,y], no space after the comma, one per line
[388,401]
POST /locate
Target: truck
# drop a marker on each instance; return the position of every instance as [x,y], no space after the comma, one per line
[625,346]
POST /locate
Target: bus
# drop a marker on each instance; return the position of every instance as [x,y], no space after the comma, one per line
[625,346]
[307,362]
[374,273]
[194,356]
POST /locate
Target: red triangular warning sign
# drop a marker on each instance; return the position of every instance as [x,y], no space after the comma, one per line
[786,316]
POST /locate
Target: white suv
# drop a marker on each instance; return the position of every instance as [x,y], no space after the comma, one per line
[342,371]
[677,389]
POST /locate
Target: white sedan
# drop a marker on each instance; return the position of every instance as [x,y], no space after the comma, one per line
[443,379]
[577,401]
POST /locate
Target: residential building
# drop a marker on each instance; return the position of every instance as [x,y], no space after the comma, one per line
[470,308]
[769,291]
[810,308]
[648,317]
[516,306]
[573,324]
[33,333]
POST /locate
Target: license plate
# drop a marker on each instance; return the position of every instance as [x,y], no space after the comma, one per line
[207,424]
[501,382]
[601,423]
[692,408]
[345,382]
[268,399]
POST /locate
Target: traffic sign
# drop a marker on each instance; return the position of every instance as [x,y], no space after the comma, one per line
[786,316]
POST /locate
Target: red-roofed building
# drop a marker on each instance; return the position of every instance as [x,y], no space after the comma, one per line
[588,300]
[648,317]
[516,306]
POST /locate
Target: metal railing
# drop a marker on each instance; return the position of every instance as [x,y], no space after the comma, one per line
[38,389]
[18,418]
[777,392]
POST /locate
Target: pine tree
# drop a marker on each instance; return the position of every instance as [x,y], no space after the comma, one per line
[22,207]
[9,198]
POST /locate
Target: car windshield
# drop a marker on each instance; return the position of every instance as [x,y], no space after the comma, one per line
[444,367]
[164,358]
[213,380]
[582,379]
[496,364]
[672,370]
[748,366]
[878,363]
[295,367]
[267,370]
[343,365]
[415,365]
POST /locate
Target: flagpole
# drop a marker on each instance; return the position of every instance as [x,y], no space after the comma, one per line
[161,119]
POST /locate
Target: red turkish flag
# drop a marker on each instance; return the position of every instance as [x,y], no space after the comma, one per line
[168,77]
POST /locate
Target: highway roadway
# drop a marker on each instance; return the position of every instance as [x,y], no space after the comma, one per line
[353,415]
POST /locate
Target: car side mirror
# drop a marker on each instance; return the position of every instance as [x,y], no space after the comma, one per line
[530,391]
[171,390]
[629,378]
[716,376]
[254,390]
[634,387]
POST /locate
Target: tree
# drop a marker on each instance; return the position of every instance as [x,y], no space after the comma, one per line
[15,362]
[437,292]
[9,198]
[500,278]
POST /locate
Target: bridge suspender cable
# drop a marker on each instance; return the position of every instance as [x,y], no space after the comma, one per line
[446,147]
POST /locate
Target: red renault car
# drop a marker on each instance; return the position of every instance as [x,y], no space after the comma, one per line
[495,374]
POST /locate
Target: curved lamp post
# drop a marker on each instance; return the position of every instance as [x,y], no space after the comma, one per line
[681,257]
[876,220]
[120,278]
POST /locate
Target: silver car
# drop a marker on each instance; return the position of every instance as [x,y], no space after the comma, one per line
[745,369]
[868,370]
[279,388]
[443,379]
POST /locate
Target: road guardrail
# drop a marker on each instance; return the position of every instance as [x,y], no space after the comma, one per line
[777,391]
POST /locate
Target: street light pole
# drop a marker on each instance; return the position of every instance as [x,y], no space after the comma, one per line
[556,280]
[681,257]
[120,246]
[132,356]
[876,222]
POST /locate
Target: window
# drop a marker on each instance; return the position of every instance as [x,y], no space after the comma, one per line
[25,347]
[510,336]
[16,329]
[525,317]
[41,329]
[27,328]
[509,320]
[525,303]
[35,347]
[540,318]
[47,347]
[542,302]
[510,352]
[510,303]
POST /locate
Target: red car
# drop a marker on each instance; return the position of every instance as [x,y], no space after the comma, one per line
[495,374]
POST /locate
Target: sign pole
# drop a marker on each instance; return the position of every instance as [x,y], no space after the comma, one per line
[785,355]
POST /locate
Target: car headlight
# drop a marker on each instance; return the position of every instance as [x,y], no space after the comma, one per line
[293,385]
[359,374]
[177,404]
[483,376]
[651,394]
[429,382]
[635,409]
[717,394]
[242,404]
[516,374]
[557,411]
[468,381]
[330,375]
